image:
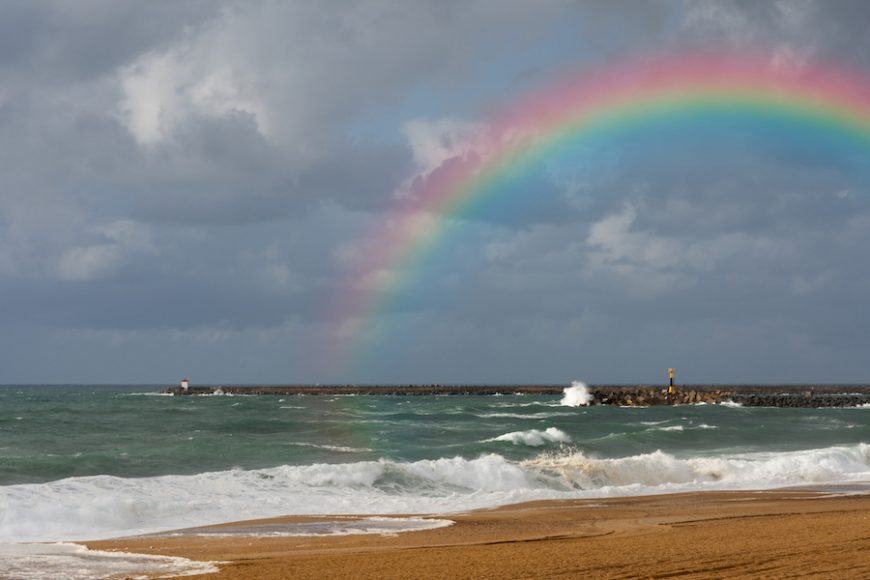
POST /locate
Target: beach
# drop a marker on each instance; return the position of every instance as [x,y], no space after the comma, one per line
[772,534]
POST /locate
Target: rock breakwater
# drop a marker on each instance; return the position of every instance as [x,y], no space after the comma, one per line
[619,395]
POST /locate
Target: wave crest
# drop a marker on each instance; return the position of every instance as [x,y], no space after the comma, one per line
[665,471]
[534,437]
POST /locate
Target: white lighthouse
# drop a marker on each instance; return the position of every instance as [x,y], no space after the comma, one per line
[184,384]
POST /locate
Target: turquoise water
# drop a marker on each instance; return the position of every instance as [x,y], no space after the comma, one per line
[84,461]
[49,433]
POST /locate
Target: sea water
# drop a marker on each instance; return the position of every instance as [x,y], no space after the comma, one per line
[86,462]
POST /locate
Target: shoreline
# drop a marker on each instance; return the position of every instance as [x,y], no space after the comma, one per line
[776,533]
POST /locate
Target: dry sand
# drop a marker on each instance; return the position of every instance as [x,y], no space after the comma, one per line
[777,534]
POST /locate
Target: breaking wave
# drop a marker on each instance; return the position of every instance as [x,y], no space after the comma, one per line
[534,437]
[105,506]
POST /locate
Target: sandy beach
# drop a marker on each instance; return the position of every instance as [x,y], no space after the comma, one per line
[770,534]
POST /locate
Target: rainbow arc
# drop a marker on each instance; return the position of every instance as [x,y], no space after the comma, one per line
[818,98]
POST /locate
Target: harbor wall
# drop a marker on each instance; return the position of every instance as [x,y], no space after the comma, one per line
[620,395]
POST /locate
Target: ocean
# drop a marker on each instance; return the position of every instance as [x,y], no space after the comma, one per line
[91,462]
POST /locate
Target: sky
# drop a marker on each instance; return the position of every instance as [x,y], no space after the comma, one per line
[184,183]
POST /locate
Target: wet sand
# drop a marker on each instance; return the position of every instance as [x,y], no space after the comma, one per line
[774,534]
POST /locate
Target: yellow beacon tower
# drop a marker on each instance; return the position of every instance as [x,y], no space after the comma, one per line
[670,381]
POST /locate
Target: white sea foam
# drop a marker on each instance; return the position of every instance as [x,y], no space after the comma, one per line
[731,404]
[679,427]
[534,437]
[104,506]
[74,562]
[96,507]
[529,404]
[665,472]
[542,415]
[576,395]
[338,526]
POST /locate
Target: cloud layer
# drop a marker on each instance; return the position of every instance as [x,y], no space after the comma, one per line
[182,185]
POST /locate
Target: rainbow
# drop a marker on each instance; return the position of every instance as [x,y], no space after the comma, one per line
[821,98]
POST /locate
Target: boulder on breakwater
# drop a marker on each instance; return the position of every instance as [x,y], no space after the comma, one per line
[648,396]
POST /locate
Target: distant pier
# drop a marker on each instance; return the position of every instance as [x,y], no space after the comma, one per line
[619,395]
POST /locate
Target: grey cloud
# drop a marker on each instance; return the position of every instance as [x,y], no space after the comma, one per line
[178,181]
[792,30]
[57,42]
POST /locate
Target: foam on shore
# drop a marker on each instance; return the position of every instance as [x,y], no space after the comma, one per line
[63,561]
[329,527]
[105,506]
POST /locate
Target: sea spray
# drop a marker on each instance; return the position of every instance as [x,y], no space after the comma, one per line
[576,395]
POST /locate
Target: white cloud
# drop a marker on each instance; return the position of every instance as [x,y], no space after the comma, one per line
[162,90]
[616,244]
[785,27]
[656,261]
[434,142]
[715,15]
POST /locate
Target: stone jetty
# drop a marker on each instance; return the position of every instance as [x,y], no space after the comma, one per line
[619,395]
